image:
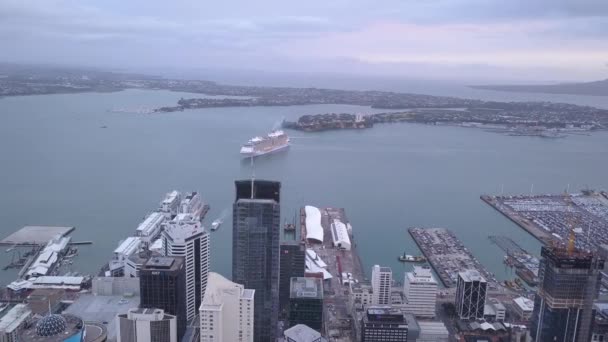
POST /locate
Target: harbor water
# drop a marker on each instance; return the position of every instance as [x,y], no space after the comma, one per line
[68,160]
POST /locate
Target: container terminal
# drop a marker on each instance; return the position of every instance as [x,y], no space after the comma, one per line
[549,218]
[526,265]
[448,256]
[331,253]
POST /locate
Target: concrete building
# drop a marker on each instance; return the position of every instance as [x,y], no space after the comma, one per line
[255,250]
[170,204]
[150,228]
[306,302]
[13,321]
[302,333]
[125,249]
[523,308]
[360,295]
[563,306]
[494,310]
[190,240]
[470,295]
[146,325]
[136,260]
[382,280]
[292,264]
[432,332]
[163,286]
[382,324]
[227,311]
[420,290]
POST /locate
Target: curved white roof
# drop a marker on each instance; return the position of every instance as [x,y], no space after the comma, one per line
[314,230]
[339,235]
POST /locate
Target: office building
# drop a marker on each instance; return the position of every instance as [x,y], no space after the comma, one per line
[383,324]
[563,306]
[255,250]
[360,295]
[523,308]
[420,290]
[470,295]
[302,333]
[13,321]
[227,311]
[187,238]
[292,264]
[163,286]
[146,325]
[494,310]
[306,302]
[382,280]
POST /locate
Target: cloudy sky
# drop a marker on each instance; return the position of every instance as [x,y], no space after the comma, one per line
[531,40]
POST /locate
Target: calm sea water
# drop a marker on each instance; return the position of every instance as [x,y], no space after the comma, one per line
[59,167]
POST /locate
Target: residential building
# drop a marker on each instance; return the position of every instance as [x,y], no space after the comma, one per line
[383,324]
[146,325]
[382,279]
[13,321]
[306,302]
[163,286]
[302,333]
[227,311]
[187,238]
[255,250]
[420,290]
[292,264]
[563,306]
[470,295]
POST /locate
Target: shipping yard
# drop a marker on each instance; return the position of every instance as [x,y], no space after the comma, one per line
[342,265]
[550,218]
[448,256]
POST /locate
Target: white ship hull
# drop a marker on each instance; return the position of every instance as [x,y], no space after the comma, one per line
[248,152]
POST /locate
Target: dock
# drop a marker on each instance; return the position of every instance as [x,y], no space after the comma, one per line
[337,313]
[526,265]
[448,256]
[31,236]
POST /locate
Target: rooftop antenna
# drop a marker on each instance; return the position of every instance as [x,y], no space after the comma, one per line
[252,176]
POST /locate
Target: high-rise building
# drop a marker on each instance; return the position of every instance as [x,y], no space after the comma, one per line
[162,283]
[420,290]
[306,302]
[563,306]
[146,325]
[382,279]
[227,311]
[255,250]
[470,295]
[302,333]
[292,264]
[189,239]
[382,324]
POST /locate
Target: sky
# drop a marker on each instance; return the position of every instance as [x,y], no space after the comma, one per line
[512,40]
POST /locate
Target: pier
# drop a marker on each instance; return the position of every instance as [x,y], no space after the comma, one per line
[526,265]
[448,256]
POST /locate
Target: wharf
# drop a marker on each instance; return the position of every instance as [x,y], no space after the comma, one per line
[526,265]
[337,316]
[35,235]
[448,256]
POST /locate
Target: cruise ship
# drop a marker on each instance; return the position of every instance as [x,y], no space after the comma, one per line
[273,142]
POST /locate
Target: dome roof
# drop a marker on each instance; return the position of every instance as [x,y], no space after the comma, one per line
[51,325]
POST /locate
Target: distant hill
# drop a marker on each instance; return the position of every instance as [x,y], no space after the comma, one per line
[597,88]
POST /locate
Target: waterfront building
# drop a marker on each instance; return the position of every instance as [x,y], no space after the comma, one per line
[13,322]
[523,307]
[470,295]
[191,241]
[146,325]
[563,306]
[150,228]
[339,235]
[306,302]
[255,250]
[420,290]
[382,324]
[292,264]
[302,333]
[360,295]
[227,311]
[382,280]
[193,204]
[170,204]
[163,286]
[125,249]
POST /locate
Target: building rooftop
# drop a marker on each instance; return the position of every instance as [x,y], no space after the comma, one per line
[218,287]
[471,275]
[183,232]
[150,224]
[314,230]
[14,317]
[302,333]
[524,303]
[384,314]
[35,235]
[128,246]
[306,287]
[54,328]
[163,263]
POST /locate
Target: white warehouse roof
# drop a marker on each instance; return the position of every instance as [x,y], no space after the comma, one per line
[151,225]
[129,246]
[339,234]
[314,230]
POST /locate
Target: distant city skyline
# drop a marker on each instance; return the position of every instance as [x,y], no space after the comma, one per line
[463,39]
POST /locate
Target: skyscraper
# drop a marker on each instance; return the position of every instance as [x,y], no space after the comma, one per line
[420,289]
[563,307]
[185,237]
[162,282]
[227,311]
[470,295]
[146,325]
[292,264]
[255,250]
[306,302]
[383,323]
[382,279]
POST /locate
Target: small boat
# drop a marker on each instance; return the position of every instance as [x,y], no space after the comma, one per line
[215,225]
[411,258]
